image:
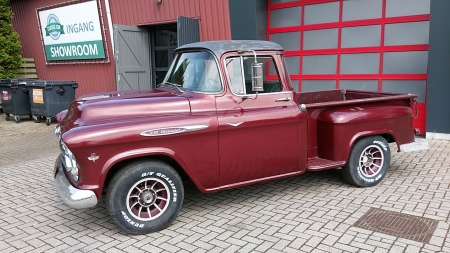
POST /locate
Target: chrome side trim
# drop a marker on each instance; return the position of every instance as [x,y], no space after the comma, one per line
[71,196]
[235,124]
[173,130]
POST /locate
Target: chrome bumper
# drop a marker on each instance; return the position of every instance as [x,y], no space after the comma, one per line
[72,196]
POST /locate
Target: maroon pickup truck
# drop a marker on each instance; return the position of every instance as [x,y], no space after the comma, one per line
[225,116]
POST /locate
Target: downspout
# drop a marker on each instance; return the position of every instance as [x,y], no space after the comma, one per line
[108,16]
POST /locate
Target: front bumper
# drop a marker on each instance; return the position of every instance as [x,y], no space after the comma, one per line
[72,196]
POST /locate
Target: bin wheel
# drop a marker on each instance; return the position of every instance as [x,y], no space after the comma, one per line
[31,116]
[37,118]
[7,116]
[48,121]
[17,118]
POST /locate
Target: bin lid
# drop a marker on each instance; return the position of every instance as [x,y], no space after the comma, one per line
[50,83]
[16,81]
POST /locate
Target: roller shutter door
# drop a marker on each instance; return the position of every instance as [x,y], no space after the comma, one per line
[376,45]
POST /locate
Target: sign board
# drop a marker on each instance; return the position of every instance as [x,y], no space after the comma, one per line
[72,32]
[38,96]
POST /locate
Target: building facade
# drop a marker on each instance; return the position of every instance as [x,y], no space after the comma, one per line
[376,45]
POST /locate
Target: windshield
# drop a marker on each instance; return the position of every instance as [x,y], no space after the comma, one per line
[195,71]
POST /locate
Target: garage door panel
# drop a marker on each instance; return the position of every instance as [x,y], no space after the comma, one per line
[374,45]
[320,39]
[361,36]
[360,10]
[415,62]
[413,33]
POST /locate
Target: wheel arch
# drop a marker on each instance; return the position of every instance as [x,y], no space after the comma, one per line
[114,167]
[389,136]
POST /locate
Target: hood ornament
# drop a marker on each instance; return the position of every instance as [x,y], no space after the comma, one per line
[93,157]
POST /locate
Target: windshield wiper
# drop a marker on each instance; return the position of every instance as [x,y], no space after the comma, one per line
[173,84]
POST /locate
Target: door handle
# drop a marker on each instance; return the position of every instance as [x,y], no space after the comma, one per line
[282,99]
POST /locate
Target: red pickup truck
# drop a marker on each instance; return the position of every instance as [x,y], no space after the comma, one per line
[225,116]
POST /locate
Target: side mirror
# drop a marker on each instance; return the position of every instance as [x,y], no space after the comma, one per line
[257,76]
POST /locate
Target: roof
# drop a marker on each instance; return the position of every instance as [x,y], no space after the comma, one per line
[221,46]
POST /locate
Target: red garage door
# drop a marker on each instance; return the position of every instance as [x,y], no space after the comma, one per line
[376,45]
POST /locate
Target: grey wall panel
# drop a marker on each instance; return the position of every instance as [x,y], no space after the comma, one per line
[361,36]
[319,64]
[321,13]
[188,31]
[365,63]
[412,33]
[438,102]
[361,9]
[248,19]
[407,86]
[285,17]
[313,85]
[414,62]
[320,39]
[397,8]
[289,41]
[369,85]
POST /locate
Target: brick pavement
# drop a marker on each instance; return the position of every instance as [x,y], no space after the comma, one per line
[313,212]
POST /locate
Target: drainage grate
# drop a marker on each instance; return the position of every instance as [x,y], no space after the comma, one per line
[397,224]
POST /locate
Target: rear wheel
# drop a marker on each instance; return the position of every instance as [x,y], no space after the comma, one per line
[17,118]
[145,197]
[368,162]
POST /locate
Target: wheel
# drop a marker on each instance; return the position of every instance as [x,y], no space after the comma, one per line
[7,116]
[17,118]
[145,197]
[48,121]
[30,116]
[37,118]
[368,162]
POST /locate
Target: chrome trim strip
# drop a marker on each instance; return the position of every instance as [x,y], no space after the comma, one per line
[235,124]
[172,130]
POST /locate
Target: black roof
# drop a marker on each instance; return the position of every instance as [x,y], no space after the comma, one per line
[221,46]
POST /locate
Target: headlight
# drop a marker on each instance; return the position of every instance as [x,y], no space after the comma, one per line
[69,161]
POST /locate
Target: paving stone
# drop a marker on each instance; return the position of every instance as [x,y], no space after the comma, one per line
[314,212]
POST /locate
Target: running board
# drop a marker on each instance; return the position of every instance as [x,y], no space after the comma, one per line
[317,163]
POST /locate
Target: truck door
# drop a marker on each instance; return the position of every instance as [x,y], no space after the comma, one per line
[258,132]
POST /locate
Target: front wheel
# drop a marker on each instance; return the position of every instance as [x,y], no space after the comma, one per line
[145,197]
[368,163]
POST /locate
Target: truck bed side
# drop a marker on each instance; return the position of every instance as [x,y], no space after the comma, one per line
[338,118]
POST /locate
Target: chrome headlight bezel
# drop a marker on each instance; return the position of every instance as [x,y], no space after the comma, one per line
[69,161]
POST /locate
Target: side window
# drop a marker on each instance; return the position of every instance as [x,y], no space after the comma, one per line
[240,75]
[234,70]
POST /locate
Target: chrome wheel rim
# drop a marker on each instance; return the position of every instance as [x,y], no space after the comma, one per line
[148,199]
[371,161]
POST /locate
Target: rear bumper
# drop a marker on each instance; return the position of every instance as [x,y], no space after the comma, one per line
[71,196]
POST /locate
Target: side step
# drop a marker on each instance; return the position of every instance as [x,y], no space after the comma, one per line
[317,163]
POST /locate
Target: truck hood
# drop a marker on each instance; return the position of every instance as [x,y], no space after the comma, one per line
[103,108]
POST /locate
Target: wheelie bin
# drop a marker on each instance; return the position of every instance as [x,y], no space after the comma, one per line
[14,98]
[48,98]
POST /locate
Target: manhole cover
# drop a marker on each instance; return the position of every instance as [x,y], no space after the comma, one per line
[397,224]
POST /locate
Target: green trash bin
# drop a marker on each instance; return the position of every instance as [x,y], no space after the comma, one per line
[14,98]
[48,98]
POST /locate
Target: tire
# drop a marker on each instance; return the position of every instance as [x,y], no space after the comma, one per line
[48,121]
[145,197]
[368,163]
[17,118]
[37,118]
[7,116]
